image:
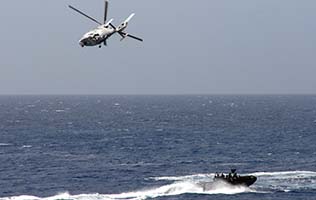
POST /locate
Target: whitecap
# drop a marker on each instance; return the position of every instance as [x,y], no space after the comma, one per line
[182,178]
[285,173]
[286,180]
[5,144]
[21,197]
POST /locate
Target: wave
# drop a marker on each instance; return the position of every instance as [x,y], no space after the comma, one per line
[26,146]
[285,173]
[173,189]
[182,178]
[268,182]
[5,144]
[286,181]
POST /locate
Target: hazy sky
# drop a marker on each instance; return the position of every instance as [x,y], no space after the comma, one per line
[190,47]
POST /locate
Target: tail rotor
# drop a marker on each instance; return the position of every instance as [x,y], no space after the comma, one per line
[120,29]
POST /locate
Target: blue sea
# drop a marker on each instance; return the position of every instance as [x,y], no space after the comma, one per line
[156,147]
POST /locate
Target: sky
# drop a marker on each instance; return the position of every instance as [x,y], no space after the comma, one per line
[190,47]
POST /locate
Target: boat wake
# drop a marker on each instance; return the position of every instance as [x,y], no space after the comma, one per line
[289,181]
[268,182]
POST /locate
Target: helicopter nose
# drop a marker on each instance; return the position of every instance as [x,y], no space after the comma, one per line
[81,43]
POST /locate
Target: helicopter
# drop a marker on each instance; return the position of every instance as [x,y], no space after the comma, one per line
[104,30]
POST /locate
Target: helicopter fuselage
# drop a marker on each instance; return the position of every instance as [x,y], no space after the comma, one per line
[96,36]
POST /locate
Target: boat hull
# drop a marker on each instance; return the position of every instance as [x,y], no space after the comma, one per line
[240,180]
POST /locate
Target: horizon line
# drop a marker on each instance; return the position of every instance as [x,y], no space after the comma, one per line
[169,94]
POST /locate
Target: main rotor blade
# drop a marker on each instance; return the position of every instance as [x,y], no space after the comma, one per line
[106,10]
[123,34]
[75,9]
[134,37]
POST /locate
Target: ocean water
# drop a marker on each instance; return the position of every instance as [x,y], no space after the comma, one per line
[156,147]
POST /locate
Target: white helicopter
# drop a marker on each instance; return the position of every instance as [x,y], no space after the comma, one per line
[105,30]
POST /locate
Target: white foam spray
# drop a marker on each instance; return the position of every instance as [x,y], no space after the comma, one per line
[200,184]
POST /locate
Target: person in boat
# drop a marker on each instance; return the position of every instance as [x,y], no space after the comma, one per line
[231,176]
[235,179]
[233,173]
